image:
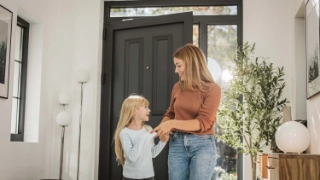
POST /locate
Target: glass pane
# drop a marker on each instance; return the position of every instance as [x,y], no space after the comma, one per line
[15,116]
[18,53]
[196,35]
[156,11]
[222,40]
[16,79]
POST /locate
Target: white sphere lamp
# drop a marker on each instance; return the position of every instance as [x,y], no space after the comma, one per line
[63,118]
[64,98]
[292,137]
[82,76]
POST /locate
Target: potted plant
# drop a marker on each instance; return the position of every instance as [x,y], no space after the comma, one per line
[250,109]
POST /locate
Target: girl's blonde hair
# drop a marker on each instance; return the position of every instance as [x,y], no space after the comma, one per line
[196,69]
[129,105]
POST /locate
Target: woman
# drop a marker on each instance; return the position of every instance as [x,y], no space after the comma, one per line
[190,117]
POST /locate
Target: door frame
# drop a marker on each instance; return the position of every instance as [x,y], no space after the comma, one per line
[106,133]
[202,21]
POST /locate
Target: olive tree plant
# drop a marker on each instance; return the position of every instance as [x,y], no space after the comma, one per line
[250,109]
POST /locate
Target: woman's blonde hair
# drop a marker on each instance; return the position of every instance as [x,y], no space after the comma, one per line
[129,105]
[196,70]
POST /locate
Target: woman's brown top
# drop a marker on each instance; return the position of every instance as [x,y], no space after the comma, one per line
[203,106]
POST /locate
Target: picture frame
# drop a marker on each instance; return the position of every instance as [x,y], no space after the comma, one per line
[312,47]
[5,49]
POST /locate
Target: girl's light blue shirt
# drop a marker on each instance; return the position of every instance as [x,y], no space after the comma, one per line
[139,149]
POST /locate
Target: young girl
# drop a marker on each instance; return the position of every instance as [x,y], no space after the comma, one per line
[134,145]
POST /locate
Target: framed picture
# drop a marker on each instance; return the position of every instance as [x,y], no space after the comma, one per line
[5,44]
[312,48]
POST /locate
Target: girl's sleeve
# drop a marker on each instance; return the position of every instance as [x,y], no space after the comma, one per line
[133,152]
[156,149]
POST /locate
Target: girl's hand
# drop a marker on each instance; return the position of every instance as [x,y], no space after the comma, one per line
[163,128]
[164,138]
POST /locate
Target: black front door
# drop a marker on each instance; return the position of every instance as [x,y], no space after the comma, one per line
[137,58]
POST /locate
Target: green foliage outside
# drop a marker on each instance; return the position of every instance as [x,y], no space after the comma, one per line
[313,68]
[226,176]
[3,52]
[250,110]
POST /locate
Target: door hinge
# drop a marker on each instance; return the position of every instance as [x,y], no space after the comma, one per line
[104,34]
[103,78]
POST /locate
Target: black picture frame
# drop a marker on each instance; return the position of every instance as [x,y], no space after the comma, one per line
[312,48]
[5,49]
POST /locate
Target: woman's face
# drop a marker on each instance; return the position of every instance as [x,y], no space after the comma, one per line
[180,68]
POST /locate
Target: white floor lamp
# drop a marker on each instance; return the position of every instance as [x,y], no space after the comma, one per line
[82,77]
[63,119]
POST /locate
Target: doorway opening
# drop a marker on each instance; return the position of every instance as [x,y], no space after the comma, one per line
[216,29]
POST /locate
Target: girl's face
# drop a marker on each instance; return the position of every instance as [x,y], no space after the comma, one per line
[142,113]
[180,68]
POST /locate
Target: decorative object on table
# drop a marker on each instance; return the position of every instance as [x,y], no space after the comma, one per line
[250,110]
[63,119]
[82,77]
[285,118]
[304,122]
[5,44]
[292,137]
[274,148]
[312,48]
[286,114]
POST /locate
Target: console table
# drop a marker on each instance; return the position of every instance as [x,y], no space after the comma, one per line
[280,166]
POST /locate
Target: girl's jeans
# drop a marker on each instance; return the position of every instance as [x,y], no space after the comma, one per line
[191,157]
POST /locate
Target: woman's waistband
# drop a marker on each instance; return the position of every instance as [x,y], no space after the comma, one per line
[188,133]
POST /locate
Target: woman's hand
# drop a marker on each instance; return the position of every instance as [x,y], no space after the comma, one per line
[163,128]
[164,138]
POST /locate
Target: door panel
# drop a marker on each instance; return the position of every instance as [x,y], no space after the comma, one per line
[140,53]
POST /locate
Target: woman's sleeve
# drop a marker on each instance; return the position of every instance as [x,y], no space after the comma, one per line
[208,110]
[133,152]
[156,149]
[170,111]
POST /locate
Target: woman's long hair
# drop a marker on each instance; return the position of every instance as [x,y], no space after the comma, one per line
[129,105]
[196,69]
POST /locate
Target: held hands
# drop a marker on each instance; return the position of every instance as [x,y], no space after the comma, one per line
[164,138]
[163,129]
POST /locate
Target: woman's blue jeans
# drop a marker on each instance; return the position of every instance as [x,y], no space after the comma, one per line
[191,157]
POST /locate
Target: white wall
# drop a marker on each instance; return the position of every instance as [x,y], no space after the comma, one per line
[270,25]
[313,116]
[64,37]
[73,44]
[312,104]
[20,160]
[278,29]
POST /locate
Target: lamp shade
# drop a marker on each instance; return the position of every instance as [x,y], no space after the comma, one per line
[63,118]
[82,76]
[292,137]
[64,98]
